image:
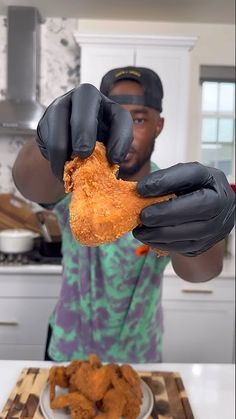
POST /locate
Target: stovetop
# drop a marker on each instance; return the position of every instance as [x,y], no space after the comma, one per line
[33,257]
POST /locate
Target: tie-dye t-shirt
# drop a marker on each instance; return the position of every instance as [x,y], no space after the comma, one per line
[110,300]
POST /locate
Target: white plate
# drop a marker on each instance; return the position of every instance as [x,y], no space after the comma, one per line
[48,413]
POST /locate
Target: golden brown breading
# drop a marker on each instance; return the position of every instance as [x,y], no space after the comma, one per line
[113,404]
[95,390]
[77,403]
[131,376]
[102,207]
[57,377]
[133,398]
[93,383]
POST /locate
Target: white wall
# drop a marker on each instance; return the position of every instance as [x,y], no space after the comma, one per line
[215,46]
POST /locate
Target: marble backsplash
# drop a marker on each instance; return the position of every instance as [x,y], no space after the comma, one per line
[59,72]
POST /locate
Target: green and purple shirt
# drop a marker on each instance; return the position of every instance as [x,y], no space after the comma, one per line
[110,300]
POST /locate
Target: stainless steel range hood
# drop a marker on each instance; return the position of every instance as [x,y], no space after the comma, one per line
[21,110]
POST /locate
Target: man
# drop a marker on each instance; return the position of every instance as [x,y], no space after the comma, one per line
[110,301]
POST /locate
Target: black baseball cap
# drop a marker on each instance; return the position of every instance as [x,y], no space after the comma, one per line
[149,80]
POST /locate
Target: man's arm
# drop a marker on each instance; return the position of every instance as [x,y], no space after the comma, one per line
[191,227]
[200,268]
[33,176]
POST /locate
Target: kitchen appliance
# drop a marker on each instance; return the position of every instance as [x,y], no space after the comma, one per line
[50,249]
[33,257]
[17,213]
[21,110]
[13,241]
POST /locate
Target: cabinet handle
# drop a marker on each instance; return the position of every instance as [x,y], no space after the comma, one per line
[202,291]
[9,323]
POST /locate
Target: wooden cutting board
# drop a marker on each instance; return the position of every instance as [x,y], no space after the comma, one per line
[169,393]
[17,213]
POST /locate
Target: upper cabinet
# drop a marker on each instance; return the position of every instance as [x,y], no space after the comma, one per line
[169,57]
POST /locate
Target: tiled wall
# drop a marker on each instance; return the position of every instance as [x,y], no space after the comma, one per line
[60,65]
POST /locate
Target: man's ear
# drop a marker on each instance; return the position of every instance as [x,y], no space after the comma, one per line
[159,125]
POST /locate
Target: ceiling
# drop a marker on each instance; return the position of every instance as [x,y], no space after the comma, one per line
[196,11]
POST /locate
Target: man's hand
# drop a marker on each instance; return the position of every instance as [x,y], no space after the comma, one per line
[73,123]
[200,216]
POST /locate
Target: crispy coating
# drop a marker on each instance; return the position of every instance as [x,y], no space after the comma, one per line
[133,399]
[57,377]
[113,404]
[78,404]
[132,378]
[96,390]
[94,361]
[102,208]
[93,383]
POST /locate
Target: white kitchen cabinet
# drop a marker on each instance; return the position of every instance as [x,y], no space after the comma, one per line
[169,57]
[199,320]
[27,298]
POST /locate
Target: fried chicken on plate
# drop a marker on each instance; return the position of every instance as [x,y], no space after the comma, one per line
[96,391]
[102,207]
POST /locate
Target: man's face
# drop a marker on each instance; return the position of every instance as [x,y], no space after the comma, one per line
[147,125]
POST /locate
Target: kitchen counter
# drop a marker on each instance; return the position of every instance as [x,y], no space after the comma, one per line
[210,387]
[30,269]
[228,269]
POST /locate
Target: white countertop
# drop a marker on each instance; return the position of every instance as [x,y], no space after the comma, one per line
[210,387]
[31,269]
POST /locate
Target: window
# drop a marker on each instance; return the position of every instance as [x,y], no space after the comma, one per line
[218,118]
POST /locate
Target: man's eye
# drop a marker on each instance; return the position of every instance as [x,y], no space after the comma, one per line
[138,121]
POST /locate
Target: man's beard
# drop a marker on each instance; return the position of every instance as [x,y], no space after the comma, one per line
[132,170]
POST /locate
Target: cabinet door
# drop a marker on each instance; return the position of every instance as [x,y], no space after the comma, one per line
[198,332]
[172,65]
[168,57]
[97,60]
[19,352]
[24,321]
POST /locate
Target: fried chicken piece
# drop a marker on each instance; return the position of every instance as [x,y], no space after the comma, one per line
[102,207]
[113,405]
[78,404]
[133,399]
[71,369]
[131,376]
[93,383]
[95,361]
[57,377]
[113,390]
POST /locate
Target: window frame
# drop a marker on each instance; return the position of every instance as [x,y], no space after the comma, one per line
[217,74]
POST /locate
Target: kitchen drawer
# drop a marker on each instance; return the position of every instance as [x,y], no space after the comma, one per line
[198,331]
[34,285]
[24,320]
[175,288]
[22,352]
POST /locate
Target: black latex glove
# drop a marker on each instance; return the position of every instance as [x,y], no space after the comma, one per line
[200,216]
[73,123]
